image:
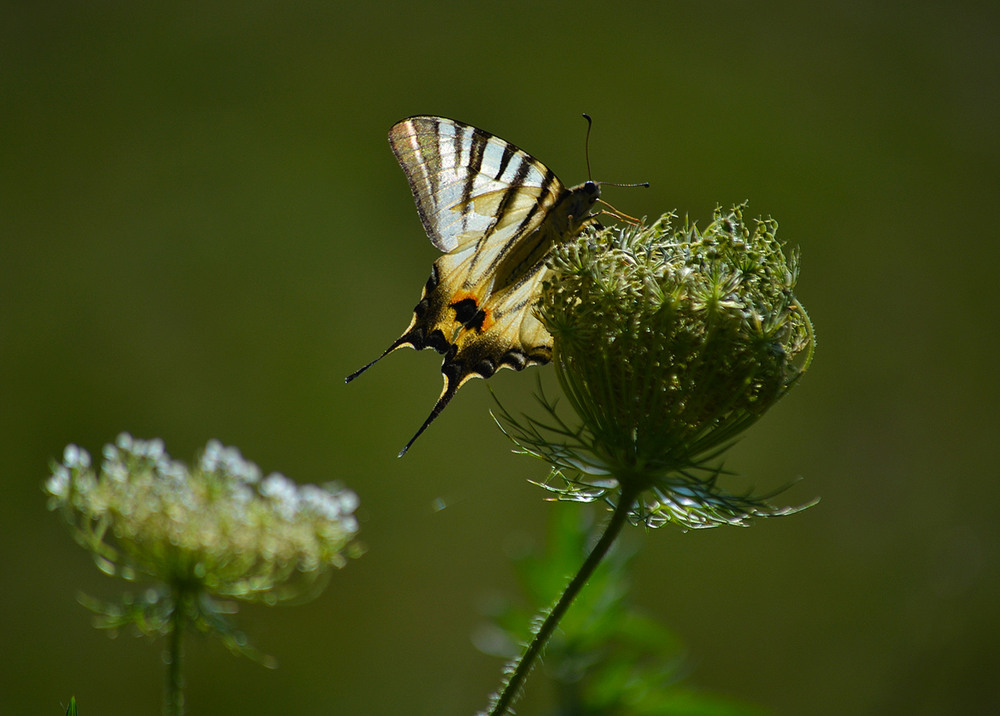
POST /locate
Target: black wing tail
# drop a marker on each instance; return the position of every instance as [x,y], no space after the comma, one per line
[362,369]
[404,340]
[455,376]
[446,395]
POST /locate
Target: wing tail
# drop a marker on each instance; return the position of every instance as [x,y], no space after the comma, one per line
[446,395]
[454,378]
[403,340]
[362,369]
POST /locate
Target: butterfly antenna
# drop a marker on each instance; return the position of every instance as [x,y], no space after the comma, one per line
[586,154]
[586,144]
[643,184]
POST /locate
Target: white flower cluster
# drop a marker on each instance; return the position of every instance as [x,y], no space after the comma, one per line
[220,525]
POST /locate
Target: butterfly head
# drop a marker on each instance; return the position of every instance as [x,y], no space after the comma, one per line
[582,199]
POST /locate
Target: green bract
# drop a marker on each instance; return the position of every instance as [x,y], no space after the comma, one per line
[669,342]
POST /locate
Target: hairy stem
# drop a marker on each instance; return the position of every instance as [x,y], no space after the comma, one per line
[523,666]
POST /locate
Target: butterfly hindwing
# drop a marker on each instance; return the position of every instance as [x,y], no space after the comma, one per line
[495,211]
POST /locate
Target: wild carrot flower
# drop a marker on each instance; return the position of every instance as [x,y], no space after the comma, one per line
[218,530]
[668,344]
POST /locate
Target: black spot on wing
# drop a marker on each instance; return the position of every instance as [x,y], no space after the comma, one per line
[519,360]
[476,322]
[486,368]
[465,309]
[437,341]
[516,359]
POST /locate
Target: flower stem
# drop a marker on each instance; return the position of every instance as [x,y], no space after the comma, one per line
[173,704]
[524,664]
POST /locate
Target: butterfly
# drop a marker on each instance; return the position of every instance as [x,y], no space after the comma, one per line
[495,211]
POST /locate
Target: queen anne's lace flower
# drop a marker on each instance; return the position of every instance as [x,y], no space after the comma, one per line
[216,530]
[668,343]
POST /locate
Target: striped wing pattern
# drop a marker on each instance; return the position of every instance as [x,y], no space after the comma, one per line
[495,211]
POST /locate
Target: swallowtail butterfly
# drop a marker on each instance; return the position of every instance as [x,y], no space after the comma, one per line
[495,211]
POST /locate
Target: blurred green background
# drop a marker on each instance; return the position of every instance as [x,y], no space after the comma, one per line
[203,230]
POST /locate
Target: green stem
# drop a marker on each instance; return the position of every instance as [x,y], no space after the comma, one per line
[523,665]
[173,704]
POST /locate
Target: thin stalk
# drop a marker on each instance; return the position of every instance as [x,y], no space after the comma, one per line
[523,666]
[173,704]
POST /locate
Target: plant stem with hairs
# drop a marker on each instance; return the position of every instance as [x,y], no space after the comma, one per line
[525,662]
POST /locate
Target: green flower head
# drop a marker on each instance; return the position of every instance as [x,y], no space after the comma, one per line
[217,530]
[668,343]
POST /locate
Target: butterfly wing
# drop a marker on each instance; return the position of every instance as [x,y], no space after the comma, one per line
[468,184]
[496,211]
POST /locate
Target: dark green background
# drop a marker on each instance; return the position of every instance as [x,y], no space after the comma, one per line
[203,231]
